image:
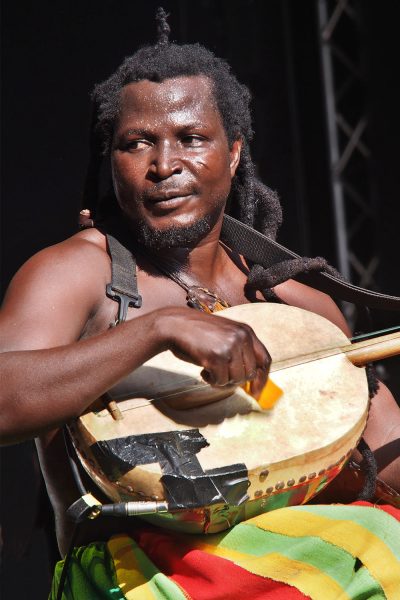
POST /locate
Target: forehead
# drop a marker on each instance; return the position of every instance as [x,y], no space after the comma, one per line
[179,98]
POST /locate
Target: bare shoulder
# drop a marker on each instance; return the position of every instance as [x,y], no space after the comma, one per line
[300,295]
[76,260]
[53,293]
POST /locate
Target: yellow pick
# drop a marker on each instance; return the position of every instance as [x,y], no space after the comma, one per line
[270,394]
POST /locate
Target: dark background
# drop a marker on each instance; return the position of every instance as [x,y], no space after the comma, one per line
[54,53]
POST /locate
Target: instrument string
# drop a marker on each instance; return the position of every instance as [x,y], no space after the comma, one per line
[278,366]
[366,336]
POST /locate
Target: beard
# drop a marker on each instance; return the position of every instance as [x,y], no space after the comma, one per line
[176,237]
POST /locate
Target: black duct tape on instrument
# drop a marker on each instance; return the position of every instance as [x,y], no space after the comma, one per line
[186,484]
[118,456]
[227,485]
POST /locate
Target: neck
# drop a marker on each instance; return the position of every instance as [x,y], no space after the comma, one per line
[203,261]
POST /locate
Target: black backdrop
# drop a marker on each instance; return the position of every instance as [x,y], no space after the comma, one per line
[53,54]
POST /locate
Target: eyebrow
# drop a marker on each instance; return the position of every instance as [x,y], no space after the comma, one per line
[192,125]
[183,127]
[138,131]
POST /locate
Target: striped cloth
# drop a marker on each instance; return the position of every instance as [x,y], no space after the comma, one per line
[322,552]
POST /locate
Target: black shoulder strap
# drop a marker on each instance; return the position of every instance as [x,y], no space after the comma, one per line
[256,247]
[123,287]
[262,250]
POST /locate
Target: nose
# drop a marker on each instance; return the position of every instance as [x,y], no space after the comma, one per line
[165,161]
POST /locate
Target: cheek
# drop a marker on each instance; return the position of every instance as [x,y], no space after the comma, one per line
[218,175]
[126,187]
[214,166]
[125,174]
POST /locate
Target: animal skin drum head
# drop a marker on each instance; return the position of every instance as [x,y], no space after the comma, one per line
[227,460]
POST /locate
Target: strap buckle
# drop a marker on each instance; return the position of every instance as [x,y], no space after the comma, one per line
[125,301]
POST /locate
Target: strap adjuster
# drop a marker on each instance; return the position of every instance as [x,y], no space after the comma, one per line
[125,300]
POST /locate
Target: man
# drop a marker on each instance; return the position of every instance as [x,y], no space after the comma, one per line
[175,125]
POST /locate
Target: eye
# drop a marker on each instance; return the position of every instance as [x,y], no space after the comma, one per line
[134,145]
[193,140]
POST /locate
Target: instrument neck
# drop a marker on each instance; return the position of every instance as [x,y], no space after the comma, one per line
[384,346]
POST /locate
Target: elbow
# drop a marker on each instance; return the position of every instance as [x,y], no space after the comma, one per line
[10,431]
[15,423]
[9,437]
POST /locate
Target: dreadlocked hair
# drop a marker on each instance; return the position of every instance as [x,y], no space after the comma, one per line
[163,29]
[249,200]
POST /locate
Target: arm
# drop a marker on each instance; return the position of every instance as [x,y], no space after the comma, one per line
[45,388]
[49,376]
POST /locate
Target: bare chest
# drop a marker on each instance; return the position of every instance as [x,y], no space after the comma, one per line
[160,291]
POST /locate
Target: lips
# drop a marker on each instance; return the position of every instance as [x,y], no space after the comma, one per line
[162,203]
[167,196]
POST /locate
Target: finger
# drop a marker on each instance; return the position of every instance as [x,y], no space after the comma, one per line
[243,365]
[242,358]
[217,374]
[255,354]
[247,352]
[263,362]
[227,363]
[258,383]
[237,370]
[263,358]
[249,359]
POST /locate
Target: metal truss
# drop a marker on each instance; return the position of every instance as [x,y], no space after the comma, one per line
[345,97]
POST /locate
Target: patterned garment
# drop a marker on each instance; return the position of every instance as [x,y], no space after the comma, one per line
[322,552]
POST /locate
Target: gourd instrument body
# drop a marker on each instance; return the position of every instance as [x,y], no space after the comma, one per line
[224,459]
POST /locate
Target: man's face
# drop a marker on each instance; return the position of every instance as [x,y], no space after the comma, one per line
[171,162]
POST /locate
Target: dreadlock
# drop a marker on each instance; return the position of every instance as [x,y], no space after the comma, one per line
[250,200]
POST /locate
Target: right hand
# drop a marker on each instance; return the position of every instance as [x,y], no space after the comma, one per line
[229,352]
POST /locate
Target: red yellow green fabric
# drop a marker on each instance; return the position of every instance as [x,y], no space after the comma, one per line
[322,552]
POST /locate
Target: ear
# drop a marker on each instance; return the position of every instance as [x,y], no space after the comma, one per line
[234,156]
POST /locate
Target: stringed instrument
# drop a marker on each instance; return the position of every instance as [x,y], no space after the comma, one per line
[224,459]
